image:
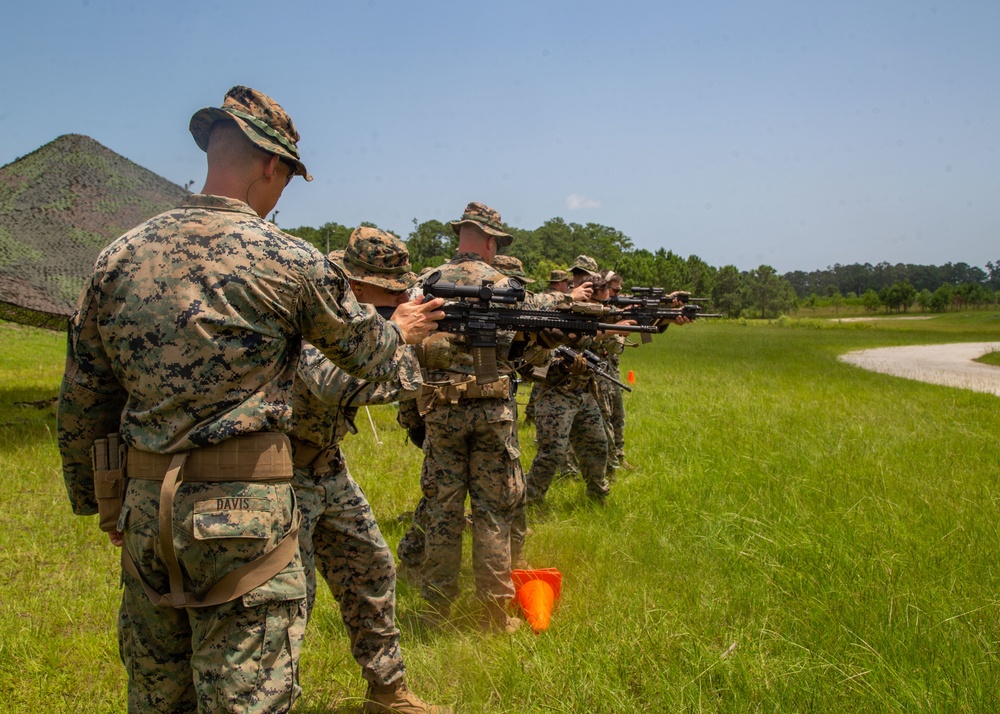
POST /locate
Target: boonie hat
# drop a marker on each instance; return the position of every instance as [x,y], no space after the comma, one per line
[557,276]
[261,118]
[376,257]
[584,264]
[509,265]
[487,219]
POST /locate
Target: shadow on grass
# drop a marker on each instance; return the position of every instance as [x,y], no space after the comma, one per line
[334,705]
[27,416]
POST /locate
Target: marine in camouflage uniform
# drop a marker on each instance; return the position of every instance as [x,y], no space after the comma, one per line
[605,388]
[471,450]
[557,293]
[612,404]
[568,413]
[613,352]
[410,549]
[188,336]
[339,535]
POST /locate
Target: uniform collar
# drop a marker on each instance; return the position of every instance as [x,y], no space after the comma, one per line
[217,203]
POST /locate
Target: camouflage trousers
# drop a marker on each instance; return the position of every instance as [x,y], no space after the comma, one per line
[562,419]
[617,420]
[340,538]
[471,449]
[529,409]
[410,550]
[609,393]
[241,656]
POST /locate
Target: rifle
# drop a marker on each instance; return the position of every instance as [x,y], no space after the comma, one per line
[594,363]
[641,295]
[475,318]
[653,310]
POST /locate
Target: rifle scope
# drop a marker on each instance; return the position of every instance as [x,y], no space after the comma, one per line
[660,294]
[435,287]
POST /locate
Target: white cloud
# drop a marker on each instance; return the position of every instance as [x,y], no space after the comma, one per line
[575,201]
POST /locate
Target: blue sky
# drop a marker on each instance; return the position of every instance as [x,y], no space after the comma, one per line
[796,134]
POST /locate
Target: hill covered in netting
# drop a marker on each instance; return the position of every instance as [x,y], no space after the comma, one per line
[59,207]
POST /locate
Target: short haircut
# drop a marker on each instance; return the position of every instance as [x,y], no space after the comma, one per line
[229,146]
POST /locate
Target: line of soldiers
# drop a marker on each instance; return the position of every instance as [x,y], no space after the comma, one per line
[229,360]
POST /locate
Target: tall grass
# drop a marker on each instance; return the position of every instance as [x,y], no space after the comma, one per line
[798,535]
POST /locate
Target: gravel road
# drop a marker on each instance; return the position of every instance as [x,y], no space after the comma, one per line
[950,365]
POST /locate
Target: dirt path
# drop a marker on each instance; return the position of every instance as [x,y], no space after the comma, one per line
[949,365]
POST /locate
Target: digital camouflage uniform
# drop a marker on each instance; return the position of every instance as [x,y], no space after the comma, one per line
[567,413]
[411,547]
[188,334]
[339,535]
[613,352]
[470,448]
[548,299]
[609,393]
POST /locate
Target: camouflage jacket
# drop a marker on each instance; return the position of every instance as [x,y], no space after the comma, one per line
[469,269]
[611,350]
[325,399]
[189,333]
[549,299]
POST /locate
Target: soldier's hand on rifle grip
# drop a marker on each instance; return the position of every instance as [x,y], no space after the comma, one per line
[550,338]
[578,366]
[417,318]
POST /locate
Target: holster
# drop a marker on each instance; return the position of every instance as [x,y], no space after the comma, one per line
[108,457]
[319,461]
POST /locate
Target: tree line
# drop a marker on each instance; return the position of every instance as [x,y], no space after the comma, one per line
[760,292]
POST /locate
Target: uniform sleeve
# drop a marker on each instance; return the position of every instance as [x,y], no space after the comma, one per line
[546,301]
[329,383]
[90,403]
[354,337]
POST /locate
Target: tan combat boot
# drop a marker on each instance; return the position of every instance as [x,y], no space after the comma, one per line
[396,698]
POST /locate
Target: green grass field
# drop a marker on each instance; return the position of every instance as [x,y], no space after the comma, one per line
[799,535]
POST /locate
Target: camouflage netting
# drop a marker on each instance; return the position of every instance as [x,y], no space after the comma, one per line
[59,207]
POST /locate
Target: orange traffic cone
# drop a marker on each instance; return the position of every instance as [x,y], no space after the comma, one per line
[631,377]
[536,591]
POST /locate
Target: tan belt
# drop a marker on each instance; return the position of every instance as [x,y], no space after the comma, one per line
[255,457]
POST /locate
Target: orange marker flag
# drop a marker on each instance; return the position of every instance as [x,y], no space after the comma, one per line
[537,591]
[631,377]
